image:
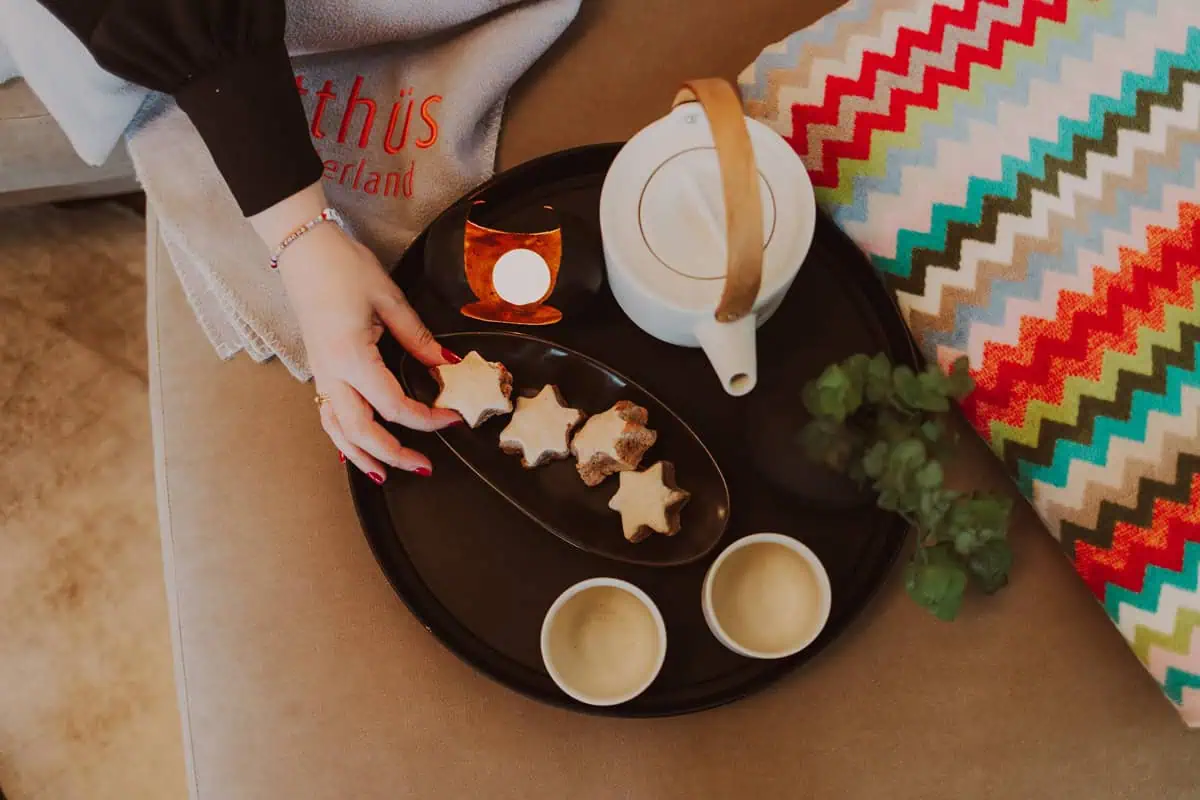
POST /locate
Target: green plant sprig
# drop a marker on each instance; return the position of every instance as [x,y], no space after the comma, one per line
[884,426]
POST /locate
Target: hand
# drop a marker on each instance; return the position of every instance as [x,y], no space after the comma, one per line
[344,301]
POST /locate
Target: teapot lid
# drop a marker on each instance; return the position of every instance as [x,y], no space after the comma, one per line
[662,209]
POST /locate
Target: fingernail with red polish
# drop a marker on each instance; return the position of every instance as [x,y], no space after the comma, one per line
[375,476]
[450,356]
[341,457]
[424,472]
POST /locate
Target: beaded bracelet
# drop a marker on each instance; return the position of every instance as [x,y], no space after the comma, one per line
[326,215]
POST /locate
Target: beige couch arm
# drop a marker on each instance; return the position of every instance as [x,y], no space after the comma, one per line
[37,163]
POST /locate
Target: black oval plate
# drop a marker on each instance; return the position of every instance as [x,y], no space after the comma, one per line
[553,495]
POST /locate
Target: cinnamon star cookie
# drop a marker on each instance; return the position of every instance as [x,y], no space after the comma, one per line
[613,441]
[649,502]
[540,428]
[476,388]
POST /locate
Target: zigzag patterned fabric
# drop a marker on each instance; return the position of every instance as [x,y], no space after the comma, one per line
[1025,174]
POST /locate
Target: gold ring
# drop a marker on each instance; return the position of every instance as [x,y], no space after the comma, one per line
[321,399]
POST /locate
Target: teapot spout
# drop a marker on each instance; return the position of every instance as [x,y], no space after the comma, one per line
[730,347]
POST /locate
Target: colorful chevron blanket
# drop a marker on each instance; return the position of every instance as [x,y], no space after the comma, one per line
[1024,174]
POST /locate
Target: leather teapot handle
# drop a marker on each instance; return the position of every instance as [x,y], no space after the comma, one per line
[739,183]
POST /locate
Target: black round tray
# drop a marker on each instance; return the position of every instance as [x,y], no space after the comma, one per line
[480,574]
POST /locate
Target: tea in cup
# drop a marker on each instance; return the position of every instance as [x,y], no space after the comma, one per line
[766,596]
[603,641]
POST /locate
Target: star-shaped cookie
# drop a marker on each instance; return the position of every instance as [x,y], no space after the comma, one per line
[612,441]
[476,388]
[649,502]
[540,428]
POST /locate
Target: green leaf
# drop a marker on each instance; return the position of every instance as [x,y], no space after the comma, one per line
[903,460]
[990,564]
[983,512]
[939,379]
[928,505]
[875,460]
[906,457]
[908,389]
[888,500]
[833,405]
[932,396]
[856,366]
[932,429]
[937,582]
[932,507]
[961,382]
[966,541]
[929,476]
[879,379]
[910,499]
[992,513]
[835,396]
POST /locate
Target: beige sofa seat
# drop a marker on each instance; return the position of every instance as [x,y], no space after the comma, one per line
[301,675]
[37,163]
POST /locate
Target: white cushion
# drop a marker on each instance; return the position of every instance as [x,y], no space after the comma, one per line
[92,106]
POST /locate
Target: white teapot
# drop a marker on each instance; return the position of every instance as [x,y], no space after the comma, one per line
[706,217]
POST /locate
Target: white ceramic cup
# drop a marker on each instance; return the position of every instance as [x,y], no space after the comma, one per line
[603,641]
[766,596]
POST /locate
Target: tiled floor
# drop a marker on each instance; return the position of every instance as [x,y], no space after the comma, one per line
[87,703]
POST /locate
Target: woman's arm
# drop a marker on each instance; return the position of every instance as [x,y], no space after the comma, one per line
[227,66]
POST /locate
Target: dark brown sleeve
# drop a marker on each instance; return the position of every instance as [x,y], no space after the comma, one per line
[227,66]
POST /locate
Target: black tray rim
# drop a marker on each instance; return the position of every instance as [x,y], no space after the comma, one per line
[378,529]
